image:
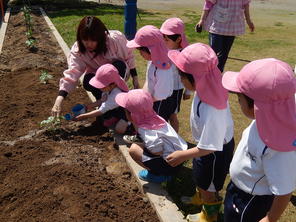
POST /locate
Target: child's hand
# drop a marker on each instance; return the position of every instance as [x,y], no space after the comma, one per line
[79,117]
[176,158]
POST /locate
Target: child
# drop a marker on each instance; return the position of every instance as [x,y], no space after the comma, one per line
[211,125]
[159,138]
[174,37]
[159,75]
[262,170]
[108,80]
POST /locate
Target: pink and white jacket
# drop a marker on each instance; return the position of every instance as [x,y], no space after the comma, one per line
[79,64]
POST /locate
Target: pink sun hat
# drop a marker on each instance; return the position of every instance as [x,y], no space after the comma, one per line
[106,75]
[140,104]
[201,61]
[149,36]
[174,26]
[271,83]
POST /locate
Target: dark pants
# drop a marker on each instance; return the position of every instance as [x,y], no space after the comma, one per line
[221,44]
[159,166]
[240,206]
[213,167]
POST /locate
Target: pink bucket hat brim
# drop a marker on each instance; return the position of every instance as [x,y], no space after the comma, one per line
[105,75]
[97,84]
[132,44]
[121,99]
[229,81]
[174,57]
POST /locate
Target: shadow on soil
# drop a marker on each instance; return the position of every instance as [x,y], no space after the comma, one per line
[75,7]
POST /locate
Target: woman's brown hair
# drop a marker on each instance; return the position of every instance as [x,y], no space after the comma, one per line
[92,28]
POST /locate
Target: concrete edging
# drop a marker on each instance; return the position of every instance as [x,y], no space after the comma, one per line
[3,28]
[166,210]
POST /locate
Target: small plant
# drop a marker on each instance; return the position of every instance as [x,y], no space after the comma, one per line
[51,123]
[29,34]
[44,77]
[31,43]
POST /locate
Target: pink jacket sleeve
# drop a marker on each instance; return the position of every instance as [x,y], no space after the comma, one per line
[118,49]
[76,67]
[209,4]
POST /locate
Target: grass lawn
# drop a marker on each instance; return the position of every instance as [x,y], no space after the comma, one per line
[274,37]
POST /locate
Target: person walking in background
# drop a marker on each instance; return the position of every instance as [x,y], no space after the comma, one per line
[262,170]
[159,138]
[95,46]
[224,19]
[173,31]
[211,126]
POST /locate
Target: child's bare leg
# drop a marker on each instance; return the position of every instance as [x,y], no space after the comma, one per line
[121,126]
[136,152]
[174,121]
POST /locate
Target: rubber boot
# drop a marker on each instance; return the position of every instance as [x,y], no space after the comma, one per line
[195,199]
[209,213]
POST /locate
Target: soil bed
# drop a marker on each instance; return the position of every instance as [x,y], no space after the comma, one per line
[73,174]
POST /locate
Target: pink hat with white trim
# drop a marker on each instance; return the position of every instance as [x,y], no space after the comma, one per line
[201,61]
[271,83]
[174,26]
[106,75]
[149,36]
[140,104]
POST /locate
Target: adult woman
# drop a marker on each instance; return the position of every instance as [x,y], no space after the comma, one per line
[224,19]
[94,47]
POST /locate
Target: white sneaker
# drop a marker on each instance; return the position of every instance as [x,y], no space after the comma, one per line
[129,139]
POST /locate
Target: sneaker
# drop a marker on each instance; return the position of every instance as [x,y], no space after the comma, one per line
[150,177]
[129,139]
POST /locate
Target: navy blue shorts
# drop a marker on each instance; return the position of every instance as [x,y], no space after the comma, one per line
[165,108]
[240,206]
[159,166]
[213,168]
[176,99]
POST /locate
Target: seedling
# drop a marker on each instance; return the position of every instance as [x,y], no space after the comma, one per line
[44,77]
[31,43]
[29,34]
[51,123]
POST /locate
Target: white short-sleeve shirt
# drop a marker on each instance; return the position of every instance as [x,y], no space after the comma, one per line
[177,79]
[211,128]
[164,139]
[110,103]
[259,170]
[160,81]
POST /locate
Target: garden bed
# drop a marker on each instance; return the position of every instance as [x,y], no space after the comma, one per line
[72,174]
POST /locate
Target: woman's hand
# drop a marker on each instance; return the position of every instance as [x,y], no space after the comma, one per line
[251,25]
[57,107]
[198,26]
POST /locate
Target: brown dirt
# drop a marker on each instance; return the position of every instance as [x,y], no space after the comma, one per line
[72,174]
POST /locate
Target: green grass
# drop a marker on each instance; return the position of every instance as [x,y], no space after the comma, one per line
[274,37]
